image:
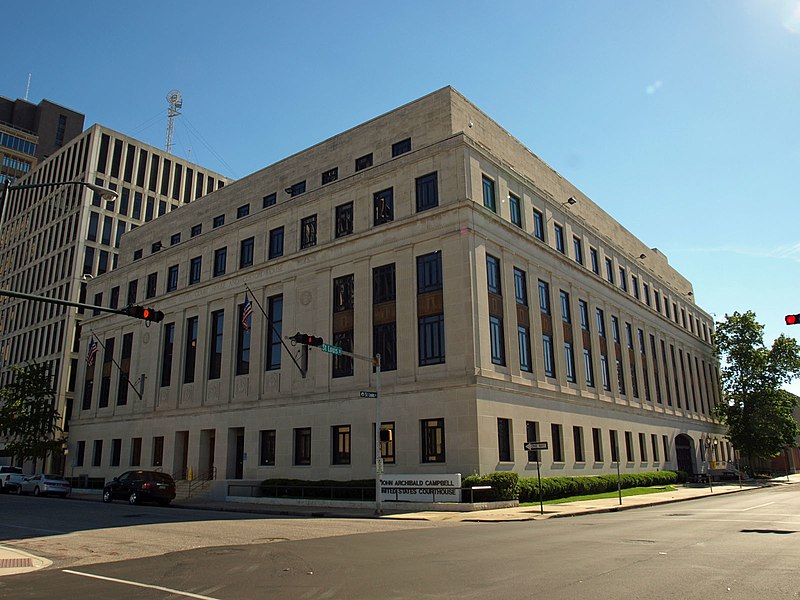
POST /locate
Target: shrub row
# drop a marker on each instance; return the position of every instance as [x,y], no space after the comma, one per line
[505,486]
[563,487]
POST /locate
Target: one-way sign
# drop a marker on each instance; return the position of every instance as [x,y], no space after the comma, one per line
[531,446]
[368,394]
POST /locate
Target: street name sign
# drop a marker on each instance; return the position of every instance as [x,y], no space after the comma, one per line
[368,394]
[531,446]
[331,349]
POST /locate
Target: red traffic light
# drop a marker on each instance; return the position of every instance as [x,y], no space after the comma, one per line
[306,339]
[793,319]
[144,313]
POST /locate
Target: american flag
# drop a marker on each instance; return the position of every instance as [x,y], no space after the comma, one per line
[91,352]
[247,311]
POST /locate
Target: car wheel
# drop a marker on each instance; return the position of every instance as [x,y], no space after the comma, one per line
[133,498]
[107,496]
[36,491]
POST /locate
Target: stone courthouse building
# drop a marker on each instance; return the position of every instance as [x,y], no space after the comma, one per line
[506,306]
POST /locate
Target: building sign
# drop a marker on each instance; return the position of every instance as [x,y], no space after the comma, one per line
[438,487]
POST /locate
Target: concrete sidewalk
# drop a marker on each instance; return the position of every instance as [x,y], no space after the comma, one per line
[15,561]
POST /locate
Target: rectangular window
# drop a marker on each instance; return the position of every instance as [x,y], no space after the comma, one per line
[266,447]
[577,443]
[610,271]
[538,225]
[657,298]
[218,221]
[558,442]
[524,338]
[113,302]
[559,231]
[549,359]
[242,344]
[136,452]
[544,297]
[296,188]
[158,451]
[615,329]
[493,274]
[569,357]
[340,437]
[364,162]
[427,192]
[343,365]
[275,314]
[384,342]
[220,261]
[623,279]
[246,252]
[577,246]
[605,372]
[566,313]
[344,219]
[532,435]
[642,447]
[516,213]
[308,232]
[330,175]
[429,272]
[597,444]
[387,441]
[635,284]
[343,293]
[269,200]
[132,285]
[383,206]
[601,323]
[488,194]
[383,284]
[497,340]
[190,352]
[504,440]
[105,382]
[215,344]
[302,446]
[195,267]
[583,309]
[614,439]
[654,446]
[665,443]
[172,278]
[276,242]
[116,452]
[242,211]
[431,340]
[97,453]
[174,239]
[166,354]
[196,230]
[401,147]
[152,285]
[432,437]
[80,451]
[629,446]
[520,287]
[646,289]
[594,260]
[588,367]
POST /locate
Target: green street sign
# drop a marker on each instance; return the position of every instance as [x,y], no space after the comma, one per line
[331,349]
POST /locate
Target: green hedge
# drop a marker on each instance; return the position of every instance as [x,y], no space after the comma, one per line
[322,489]
[563,487]
[505,486]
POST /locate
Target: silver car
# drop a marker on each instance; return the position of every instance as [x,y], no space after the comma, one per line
[43,485]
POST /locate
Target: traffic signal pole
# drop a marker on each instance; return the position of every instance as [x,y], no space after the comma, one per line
[117,311]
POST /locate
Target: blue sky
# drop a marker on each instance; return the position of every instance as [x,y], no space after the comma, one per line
[680,118]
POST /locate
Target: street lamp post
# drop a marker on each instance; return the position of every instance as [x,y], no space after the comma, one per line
[105,193]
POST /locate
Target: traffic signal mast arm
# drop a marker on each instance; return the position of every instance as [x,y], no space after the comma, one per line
[139,312]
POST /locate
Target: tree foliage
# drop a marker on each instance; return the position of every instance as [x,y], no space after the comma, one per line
[28,416]
[757,412]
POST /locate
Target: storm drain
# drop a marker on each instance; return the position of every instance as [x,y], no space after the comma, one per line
[15,563]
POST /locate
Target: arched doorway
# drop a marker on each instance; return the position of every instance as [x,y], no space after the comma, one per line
[684,452]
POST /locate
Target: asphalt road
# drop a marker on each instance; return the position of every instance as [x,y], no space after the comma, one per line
[741,546]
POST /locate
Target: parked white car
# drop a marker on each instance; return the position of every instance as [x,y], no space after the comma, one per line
[10,478]
[43,485]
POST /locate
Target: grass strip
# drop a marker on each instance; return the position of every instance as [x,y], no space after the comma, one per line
[636,491]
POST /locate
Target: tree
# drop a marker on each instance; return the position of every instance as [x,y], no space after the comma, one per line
[28,417]
[757,412]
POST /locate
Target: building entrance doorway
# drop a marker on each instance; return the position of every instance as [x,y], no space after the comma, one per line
[208,439]
[684,452]
[180,464]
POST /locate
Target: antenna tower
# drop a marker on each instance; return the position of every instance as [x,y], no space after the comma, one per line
[175,101]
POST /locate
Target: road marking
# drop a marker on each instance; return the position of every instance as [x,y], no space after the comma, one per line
[759,506]
[34,529]
[141,585]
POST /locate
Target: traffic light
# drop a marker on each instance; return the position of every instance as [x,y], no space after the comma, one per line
[144,313]
[306,339]
[793,319]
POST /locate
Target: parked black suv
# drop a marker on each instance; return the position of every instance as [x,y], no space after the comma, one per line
[141,486]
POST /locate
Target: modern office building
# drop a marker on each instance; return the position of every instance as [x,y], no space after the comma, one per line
[54,240]
[29,133]
[506,307]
